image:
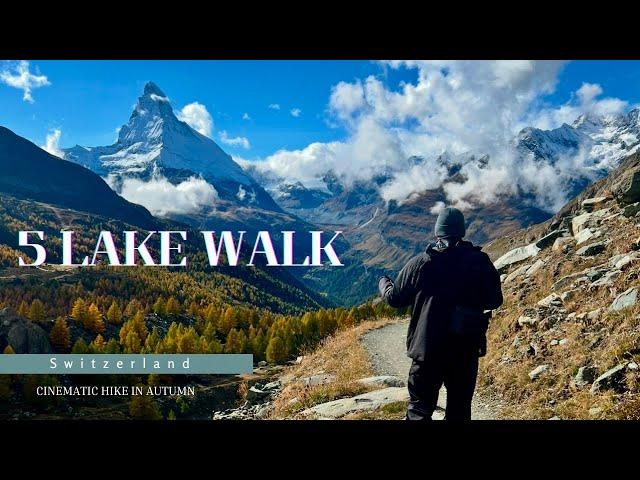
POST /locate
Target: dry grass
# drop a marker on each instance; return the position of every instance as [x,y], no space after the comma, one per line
[603,343]
[341,355]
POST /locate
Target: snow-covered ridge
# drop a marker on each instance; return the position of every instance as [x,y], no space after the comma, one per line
[155,142]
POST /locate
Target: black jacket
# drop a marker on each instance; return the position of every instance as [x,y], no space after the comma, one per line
[434,283]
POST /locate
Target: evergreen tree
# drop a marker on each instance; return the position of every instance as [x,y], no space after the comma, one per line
[23,309]
[236,342]
[171,416]
[132,343]
[98,344]
[193,310]
[159,308]
[93,320]
[114,314]
[112,346]
[60,335]
[152,341]
[133,307]
[213,345]
[36,311]
[227,321]
[259,345]
[79,310]
[172,307]
[188,341]
[80,346]
[276,351]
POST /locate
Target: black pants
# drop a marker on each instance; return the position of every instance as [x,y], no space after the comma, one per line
[457,370]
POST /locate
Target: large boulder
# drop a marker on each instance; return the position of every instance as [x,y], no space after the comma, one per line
[365,402]
[612,378]
[628,298]
[561,243]
[549,238]
[579,222]
[515,256]
[627,188]
[552,300]
[518,272]
[317,380]
[538,264]
[537,372]
[631,210]
[624,259]
[587,234]
[382,381]
[594,203]
[591,249]
[23,336]
[609,278]
[584,377]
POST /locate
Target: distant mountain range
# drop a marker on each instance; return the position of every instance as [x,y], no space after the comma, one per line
[386,234]
[379,235]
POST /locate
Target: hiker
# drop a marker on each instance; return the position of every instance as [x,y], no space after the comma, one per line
[449,287]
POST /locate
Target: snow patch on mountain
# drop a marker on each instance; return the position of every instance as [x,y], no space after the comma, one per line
[157,147]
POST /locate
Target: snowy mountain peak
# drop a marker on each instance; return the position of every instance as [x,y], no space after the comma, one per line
[154,142]
[151,88]
[148,118]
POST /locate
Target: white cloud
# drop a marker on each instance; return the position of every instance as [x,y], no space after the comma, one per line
[52,142]
[246,116]
[437,208]
[22,78]
[295,112]
[450,106]
[163,198]
[197,117]
[586,101]
[235,141]
[274,106]
[347,99]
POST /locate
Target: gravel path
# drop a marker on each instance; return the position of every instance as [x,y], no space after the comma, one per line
[387,351]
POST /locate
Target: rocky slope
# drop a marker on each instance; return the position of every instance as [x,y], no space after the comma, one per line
[566,343]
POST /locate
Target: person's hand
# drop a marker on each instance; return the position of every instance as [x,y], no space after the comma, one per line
[382,284]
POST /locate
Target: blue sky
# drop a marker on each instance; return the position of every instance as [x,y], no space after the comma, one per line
[88,100]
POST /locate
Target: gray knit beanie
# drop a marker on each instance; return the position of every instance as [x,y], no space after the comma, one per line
[450,223]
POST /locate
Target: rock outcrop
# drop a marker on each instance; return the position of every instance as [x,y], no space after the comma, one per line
[365,402]
[23,336]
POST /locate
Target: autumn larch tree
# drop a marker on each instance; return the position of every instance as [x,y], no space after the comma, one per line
[36,311]
[60,335]
[23,309]
[98,344]
[159,308]
[114,314]
[79,311]
[172,307]
[80,346]
[93,320]
[276,351]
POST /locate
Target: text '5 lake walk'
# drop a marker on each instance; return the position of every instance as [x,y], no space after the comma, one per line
[171,247]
